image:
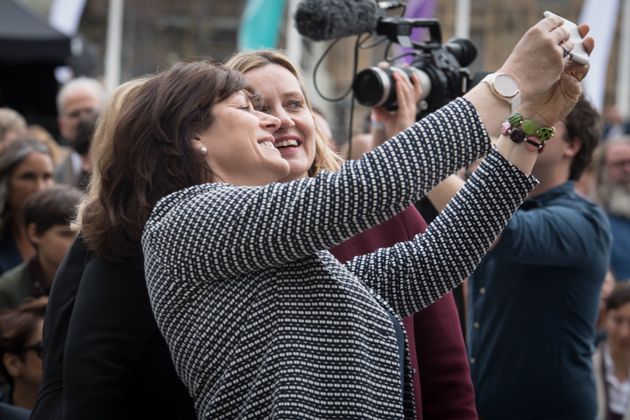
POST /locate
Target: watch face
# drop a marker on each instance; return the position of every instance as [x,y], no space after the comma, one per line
[505,85]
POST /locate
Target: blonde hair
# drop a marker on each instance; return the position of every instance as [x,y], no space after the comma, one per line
[142,151]
[101,150]
[38,132]
[325,157]
[11,120]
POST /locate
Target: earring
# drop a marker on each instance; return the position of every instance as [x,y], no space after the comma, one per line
[203,150]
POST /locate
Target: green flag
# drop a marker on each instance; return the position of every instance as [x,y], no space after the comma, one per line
[260,24]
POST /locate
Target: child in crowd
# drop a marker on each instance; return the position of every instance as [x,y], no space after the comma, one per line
[47,216]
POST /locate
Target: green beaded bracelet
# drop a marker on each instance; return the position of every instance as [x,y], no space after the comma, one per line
[516,125]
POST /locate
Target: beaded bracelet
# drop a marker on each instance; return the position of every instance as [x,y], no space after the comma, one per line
[520,130]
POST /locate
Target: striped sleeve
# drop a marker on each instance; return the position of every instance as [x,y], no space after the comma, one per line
[222,231]
[411,275]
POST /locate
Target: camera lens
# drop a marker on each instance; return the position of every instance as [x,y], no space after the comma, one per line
[372,86]
[463,50]
[375,86]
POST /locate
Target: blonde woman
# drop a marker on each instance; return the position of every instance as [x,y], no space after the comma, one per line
[441,375]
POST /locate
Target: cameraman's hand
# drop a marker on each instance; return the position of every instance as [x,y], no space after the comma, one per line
[548,82]
[408,94]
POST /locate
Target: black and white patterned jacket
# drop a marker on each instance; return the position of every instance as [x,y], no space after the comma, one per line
[262,321]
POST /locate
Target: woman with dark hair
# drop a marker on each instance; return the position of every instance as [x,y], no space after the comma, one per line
[611,361]
[26,167]
[104,356]
[21,352]
[260,320]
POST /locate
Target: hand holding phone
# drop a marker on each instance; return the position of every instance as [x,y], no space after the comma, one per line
[578,53]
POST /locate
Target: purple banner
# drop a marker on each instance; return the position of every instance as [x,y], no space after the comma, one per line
[418,9]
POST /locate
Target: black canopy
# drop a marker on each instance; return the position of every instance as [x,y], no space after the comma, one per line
[25,37]
[30,50]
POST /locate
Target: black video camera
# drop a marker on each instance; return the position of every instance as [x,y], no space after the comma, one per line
[440,68]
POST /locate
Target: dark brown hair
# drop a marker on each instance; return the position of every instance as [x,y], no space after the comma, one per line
[56,205]
[16,327]
[583,123]
[142,151]
[619,296]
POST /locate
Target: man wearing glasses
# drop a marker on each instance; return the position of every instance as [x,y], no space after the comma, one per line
[79,99]
[613,189]
[21,353]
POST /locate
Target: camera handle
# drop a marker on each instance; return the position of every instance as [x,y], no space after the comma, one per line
[398,30]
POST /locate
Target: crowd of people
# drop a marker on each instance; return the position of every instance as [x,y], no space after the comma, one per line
[195,246]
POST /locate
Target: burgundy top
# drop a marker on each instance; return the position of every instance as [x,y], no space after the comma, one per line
[442,384]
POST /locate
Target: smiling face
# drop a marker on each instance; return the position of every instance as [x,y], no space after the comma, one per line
[240,144]
[283,98]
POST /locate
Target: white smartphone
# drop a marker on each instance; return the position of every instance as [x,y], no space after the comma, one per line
[578,53]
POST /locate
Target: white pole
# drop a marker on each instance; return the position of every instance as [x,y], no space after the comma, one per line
[65,15]
[603,20]
[113,47]
[462,19]
[623,73]
[294,39]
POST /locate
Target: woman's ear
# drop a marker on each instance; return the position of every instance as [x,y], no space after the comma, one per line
[199,146]
[13,364]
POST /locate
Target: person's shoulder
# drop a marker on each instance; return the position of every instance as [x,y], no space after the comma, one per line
[594,216]
[174,199]
[100,267]
[572,199]
[173,203]
[122,285]
[618,220]
[592,208]
[8,412]
[15,285]
[13,277]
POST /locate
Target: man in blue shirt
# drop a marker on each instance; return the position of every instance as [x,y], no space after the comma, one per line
[533,300]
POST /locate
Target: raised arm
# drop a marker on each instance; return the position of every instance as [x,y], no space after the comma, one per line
[227,231]
[240,230]
[545,100]
[412,275]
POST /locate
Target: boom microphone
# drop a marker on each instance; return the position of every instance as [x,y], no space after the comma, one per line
[321,20]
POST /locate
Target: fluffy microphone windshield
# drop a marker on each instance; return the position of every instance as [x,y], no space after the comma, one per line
[321,20]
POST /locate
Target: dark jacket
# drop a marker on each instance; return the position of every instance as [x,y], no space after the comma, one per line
[14,287]
[21,282]
[9,253]
[104,357]
[9,412]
